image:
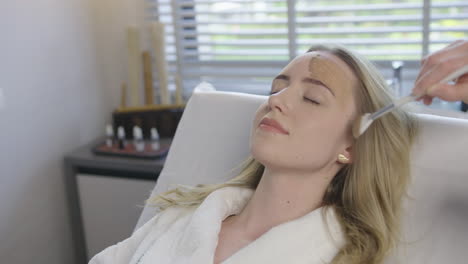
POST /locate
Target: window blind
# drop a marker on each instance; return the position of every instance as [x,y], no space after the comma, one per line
[241,45]
[448,22]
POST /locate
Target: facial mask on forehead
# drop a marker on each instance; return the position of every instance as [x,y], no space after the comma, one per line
[319,66]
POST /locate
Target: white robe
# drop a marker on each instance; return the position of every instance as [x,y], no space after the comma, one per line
[181,235]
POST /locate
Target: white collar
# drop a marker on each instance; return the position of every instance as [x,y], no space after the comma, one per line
[305,238]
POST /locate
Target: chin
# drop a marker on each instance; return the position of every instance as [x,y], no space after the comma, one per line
[265,155]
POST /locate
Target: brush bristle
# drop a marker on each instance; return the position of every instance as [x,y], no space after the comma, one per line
[361,125]
[356,127]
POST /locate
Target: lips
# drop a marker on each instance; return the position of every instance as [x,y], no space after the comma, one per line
[273,123]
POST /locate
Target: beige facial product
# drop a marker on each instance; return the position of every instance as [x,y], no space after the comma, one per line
[313,62]
[324,70]
[319,66]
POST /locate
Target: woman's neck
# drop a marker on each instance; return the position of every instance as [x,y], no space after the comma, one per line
[279,198]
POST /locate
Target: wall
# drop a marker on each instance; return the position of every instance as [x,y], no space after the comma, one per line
[60,68]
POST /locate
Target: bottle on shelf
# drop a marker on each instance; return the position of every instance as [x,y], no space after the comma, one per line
[109,135]
[154,139]
[121,137]
[138,139]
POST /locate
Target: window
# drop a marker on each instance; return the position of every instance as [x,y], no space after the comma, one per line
[240,45]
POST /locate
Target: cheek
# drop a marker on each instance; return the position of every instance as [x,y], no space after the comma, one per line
[259,114]
[320,136]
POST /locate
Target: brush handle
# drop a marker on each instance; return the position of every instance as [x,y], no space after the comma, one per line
[392,106]
[405,100]
[454,75]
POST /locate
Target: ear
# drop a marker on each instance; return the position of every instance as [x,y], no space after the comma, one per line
[348,156]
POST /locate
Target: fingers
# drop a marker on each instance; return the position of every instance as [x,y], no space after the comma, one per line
[451,45]
[435,73]
[440,64]
[449,92]
[427,100]
[455,48]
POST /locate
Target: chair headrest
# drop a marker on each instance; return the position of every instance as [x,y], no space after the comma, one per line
[212,138]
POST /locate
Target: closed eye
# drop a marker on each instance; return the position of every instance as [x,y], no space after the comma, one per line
[305,98]
[313,101]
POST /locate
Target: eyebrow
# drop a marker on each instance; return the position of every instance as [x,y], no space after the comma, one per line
[305,80]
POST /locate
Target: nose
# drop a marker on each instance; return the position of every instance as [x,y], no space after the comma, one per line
[279,101]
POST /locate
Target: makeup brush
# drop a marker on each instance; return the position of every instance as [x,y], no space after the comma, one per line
[364,121]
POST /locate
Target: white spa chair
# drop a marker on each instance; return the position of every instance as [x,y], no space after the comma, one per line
[213,137]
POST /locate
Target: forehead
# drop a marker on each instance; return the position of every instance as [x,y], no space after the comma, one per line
[323,62]
[325,67]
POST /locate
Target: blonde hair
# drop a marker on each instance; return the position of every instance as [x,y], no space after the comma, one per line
[367,194]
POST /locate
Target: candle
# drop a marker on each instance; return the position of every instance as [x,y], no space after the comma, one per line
[178,94]
[157,37]
[123,96]
[134,65]
[148,78]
